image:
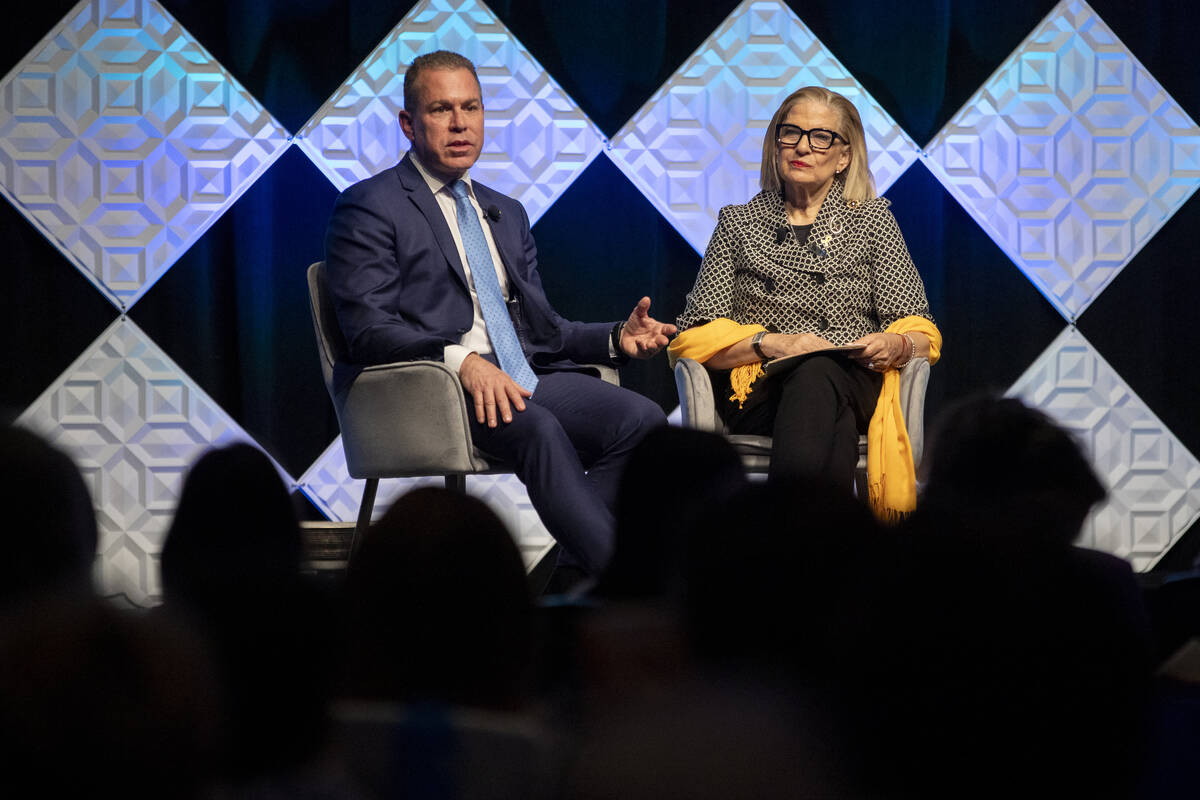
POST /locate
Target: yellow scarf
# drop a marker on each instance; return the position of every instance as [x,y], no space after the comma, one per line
[891,476]
[705,341]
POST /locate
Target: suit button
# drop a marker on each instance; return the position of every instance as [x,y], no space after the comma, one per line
[823,324]
[819,278]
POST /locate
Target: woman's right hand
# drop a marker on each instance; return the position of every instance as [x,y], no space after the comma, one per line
[778,345]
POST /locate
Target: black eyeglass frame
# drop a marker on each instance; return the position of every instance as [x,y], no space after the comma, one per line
[807,133]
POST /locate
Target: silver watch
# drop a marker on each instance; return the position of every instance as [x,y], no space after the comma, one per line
[756,343]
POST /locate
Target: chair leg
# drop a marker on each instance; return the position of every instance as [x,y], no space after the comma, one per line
[860,484]
[365,507]
[457,483]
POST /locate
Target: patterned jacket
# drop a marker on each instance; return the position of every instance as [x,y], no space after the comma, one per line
[853,276]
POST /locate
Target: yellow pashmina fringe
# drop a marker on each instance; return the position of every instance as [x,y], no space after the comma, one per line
[704,341]
[891,476]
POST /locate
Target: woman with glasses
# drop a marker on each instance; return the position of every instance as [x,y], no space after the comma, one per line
[813,262]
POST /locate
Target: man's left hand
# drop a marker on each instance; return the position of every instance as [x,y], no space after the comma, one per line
[643,336]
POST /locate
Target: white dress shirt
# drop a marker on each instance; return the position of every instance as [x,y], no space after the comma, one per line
[476,340]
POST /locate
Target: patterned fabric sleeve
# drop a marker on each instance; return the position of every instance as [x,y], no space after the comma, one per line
[897,286]
[710,297]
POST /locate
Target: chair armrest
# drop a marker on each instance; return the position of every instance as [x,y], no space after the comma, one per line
[914,379]
[607,374]
[696,396]
[406,419]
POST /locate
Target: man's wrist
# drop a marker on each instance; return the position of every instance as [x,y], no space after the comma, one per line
[618,354]
[455,354]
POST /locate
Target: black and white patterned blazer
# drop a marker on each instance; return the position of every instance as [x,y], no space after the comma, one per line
[853,276]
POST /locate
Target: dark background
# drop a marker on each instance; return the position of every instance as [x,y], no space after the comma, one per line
[233,311]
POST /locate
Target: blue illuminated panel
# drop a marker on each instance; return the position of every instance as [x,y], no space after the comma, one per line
[122,140]
[1071,157]
[696,145]
[537,141]
[1153,480]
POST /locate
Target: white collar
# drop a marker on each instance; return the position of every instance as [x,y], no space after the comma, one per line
[435,183]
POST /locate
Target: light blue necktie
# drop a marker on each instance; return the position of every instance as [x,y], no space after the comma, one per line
[495,313]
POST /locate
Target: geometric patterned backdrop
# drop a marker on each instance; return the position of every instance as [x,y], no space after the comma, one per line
[122,141]
[536,140]
[133,422]
[1071,157]
[1153,481]
[696,145]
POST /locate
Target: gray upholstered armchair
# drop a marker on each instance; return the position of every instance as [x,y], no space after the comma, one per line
[402,420]
[699,410]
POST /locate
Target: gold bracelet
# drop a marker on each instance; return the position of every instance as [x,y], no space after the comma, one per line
[912,351]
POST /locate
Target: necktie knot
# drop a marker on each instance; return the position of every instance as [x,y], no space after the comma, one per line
[459,189]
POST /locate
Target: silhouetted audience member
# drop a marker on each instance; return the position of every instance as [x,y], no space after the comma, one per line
[231,566]
[768,585]
[675,478]
[1174,607]
[1000,468]
[234,526]
[50,524]
[998,648]
[96,702]
[628,632]
[438,609]
[773,577]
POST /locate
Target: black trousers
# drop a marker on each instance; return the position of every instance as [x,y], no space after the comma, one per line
[815,413]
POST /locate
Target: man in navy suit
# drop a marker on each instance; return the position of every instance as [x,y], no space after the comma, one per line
[410,271]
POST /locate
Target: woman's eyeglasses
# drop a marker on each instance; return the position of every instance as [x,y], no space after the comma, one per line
[818,138]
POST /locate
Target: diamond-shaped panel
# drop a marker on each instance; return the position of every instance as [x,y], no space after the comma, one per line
[337,495]
[696,145]
[1071,156]
[134,423]
[1154,482]
[122,140]
[536,139]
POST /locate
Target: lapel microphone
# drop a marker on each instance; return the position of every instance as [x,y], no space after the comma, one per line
[493,213]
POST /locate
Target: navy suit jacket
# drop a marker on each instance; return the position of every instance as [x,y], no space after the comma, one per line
[400,291]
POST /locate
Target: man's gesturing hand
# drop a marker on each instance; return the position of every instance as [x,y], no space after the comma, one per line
[494,392]
[643,336]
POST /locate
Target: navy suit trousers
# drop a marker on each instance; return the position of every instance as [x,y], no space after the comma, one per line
[569,447]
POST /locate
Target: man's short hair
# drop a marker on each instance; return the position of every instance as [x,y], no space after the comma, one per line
[438,59]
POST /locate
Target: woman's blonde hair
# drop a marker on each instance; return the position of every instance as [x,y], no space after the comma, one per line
[856,178]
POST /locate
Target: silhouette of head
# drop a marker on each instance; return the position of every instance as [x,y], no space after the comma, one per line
[234,523]
[48,515]
[438,606]
[675,477]
[92,692]
[1006,468]
[769,575]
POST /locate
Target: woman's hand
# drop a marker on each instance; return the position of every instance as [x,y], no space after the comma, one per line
[774,345]
[778,345]
[881,351]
